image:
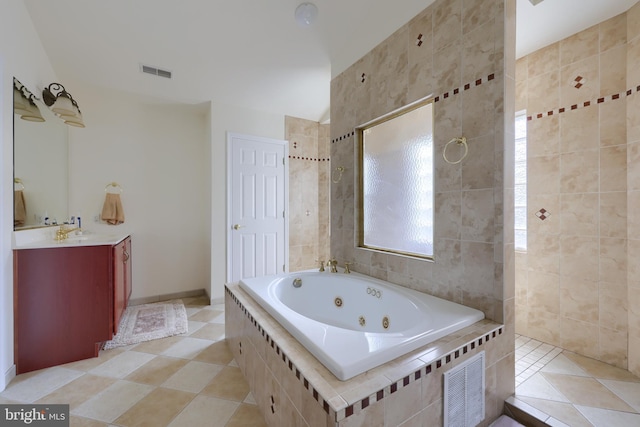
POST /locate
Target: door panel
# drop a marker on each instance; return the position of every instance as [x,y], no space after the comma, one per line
[258,203]
[248,254]
[270,249]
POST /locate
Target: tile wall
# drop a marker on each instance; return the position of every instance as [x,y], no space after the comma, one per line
[454,52]
[461,53]
[308,192]
[571,283]
[633,187]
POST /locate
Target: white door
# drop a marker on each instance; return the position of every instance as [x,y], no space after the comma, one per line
[258,200]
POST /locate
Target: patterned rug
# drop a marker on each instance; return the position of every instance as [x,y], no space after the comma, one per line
[148,322]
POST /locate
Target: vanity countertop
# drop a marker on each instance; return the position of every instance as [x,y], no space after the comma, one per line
[45,238]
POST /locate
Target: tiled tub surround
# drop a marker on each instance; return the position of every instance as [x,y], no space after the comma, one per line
[576,286]
[463,52]
[292,388]
[462,61]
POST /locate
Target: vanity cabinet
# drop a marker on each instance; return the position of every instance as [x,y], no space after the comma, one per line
[68,301]
[121,280]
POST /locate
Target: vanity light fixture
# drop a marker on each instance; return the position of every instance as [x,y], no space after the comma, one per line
[24,103]
[306,14]
[62,103]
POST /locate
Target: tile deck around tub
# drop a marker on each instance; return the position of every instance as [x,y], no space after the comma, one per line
[341,399]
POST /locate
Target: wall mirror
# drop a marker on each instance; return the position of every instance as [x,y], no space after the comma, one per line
[40,167]
[396,182]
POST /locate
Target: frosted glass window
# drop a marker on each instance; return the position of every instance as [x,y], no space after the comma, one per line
[397,183]
[520,187]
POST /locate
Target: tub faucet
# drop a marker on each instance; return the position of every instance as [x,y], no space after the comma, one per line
[321,265]
[346,267]
[334,265]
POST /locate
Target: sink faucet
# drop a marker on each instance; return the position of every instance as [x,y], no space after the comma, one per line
[62,233]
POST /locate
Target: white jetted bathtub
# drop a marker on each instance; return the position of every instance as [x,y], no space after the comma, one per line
[351,322]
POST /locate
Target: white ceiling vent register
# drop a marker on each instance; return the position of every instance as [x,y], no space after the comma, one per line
[464,393]
[155,71]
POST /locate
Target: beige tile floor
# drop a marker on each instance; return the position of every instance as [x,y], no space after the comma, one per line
[187,380]
[192,380]
[567,389]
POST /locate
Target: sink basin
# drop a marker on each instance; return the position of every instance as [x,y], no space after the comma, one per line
[90,237]
[77,238]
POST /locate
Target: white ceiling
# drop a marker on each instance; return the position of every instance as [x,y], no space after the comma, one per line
[251,53]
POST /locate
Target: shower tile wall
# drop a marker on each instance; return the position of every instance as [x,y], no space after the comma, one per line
[633,190]
[308,192]
[571,283]
[461,53]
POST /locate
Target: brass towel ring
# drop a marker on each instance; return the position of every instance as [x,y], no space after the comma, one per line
[459,141]
[114,185]
[340,170]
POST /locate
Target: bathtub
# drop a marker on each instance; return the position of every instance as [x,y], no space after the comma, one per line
[351,322]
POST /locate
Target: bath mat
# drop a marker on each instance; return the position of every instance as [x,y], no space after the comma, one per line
[148,322]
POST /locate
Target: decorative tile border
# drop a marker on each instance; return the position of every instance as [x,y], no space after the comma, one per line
[438,98]
[464,87]
[584,104]
[309,158]
[343,137]
[350,410]
[417,375]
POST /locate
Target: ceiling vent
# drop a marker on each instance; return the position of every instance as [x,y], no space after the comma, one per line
[156,71]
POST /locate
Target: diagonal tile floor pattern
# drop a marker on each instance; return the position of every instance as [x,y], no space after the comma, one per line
[187,380]
[565,389]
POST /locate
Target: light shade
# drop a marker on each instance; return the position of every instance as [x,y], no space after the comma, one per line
[24,103]
[306,14]
[20,103]
[75,121]
[63,105]
[32,114]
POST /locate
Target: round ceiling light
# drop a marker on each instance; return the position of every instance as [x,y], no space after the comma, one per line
[306,14]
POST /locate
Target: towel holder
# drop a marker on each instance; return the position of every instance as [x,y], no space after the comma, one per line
[18,181]
[114,185]
[460,141]
[340,170]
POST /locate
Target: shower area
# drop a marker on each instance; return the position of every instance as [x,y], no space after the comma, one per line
[309,192]
[577,275]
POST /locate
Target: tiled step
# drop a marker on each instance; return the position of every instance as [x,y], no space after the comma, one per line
[505,421]
[529,416]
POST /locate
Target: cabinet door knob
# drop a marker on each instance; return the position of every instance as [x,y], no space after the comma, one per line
[126,256]
[237,227]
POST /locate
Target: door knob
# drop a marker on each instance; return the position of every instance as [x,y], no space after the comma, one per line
[237,227]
